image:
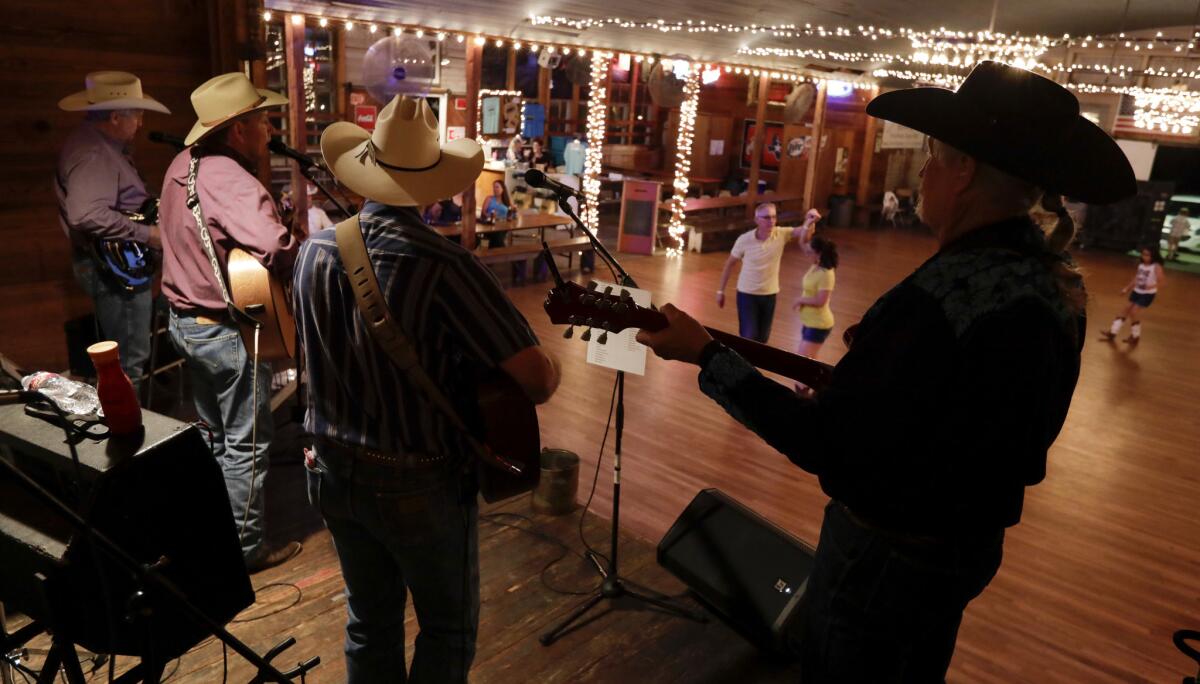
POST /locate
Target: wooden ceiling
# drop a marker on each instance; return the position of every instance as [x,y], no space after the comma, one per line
[511,18]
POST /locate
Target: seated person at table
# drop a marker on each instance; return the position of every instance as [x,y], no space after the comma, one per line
[442,213]
[538,155]
[498,207]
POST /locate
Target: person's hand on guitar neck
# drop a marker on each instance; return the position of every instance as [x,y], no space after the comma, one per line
[682,340]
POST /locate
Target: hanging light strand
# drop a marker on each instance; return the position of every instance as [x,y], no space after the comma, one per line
[683,158]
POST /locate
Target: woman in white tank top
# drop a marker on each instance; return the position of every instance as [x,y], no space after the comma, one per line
[1141,291]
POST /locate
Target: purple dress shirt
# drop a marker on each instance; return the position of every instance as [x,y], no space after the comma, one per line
[95,182]
[239,212]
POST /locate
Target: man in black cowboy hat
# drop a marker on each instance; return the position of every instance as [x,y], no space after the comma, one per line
[964,372]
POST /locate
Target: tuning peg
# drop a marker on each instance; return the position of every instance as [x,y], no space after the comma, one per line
[603,339]
[587,300]
[570,332]
[608,290]
[593,285]
[587,335]
[625,294]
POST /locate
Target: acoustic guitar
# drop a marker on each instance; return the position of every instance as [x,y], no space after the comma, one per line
[572,304]
[511,462]
[257,293]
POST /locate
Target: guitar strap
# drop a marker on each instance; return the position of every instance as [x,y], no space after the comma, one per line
[193,202]
[387,333]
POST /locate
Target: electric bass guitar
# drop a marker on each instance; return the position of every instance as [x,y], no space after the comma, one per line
[129,264]
[572,304]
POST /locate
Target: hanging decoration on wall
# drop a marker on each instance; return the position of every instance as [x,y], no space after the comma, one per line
[507,97]
[597,126]
[683,157]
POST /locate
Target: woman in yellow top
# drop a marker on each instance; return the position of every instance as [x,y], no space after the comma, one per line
[815,315]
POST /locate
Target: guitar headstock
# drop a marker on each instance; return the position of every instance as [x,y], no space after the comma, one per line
[612,311]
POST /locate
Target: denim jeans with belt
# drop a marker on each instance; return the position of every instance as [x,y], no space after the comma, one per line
[223,389]
[755,315]
[123,316]
[880,608]
[398,529]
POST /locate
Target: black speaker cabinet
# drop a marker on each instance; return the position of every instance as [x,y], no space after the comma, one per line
[157,495]
[1131,223]
[746,570]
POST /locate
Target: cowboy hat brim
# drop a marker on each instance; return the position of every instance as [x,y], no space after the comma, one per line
[1083,163]
[270,99]
[78,102]
[343,146]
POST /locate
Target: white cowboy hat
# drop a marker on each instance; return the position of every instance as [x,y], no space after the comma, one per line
[223,98]
[401,163]
[109,90]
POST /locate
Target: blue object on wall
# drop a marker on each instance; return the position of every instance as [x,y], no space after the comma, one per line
[535,121]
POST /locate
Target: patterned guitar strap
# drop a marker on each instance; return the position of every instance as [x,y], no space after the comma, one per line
[193,202]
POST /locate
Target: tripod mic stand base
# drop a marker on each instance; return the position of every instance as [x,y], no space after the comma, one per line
[614,588]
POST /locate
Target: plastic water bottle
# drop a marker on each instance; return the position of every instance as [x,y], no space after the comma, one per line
[122,412]
[70,396]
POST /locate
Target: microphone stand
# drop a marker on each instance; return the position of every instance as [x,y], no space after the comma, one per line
[612,585]
[307,172]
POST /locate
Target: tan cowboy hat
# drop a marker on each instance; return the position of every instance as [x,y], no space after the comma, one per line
[401,163]
[109,90]
[223,98]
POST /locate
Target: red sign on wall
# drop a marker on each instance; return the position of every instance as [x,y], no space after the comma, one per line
[460,103]
[364,115]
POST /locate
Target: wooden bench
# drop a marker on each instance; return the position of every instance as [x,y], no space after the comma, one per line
[526,250]
[714,229]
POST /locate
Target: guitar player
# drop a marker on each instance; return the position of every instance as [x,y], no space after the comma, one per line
[231,394]
[387,471]
[95,182]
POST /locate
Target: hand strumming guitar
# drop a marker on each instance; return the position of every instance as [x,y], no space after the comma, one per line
[682,340]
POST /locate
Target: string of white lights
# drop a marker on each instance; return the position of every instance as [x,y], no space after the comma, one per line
[683,159]
[597,127]
[483,93]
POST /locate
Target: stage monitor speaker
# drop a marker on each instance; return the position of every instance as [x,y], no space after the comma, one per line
[1132,223]
[158,495]
[745,569]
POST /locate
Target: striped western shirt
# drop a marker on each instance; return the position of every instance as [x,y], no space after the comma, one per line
[450,306]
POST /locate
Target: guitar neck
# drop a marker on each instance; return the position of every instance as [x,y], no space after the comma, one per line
[794,366]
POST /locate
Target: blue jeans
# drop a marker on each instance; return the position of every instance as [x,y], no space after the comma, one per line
[222,378]
[755,315]
[123,316]
[879,609]
[396,530]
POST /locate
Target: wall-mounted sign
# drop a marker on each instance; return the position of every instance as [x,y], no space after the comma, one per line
[364,115]
[797,146]
[460,103]
[455,132]
[896,136]
[358,98]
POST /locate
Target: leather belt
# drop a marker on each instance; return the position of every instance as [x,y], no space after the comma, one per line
[892,534]
[407,460]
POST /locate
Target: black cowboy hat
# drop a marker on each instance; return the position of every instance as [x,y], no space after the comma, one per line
[1021,123]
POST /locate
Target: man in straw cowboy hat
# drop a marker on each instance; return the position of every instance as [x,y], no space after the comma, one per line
[228,141]
[387,471]
[96,181]
[963,373]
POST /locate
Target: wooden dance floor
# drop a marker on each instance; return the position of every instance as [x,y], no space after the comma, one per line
[1104,566]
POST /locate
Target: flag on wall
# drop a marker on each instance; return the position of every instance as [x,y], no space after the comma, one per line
[1126,122]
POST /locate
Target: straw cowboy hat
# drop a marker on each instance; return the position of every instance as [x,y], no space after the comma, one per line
[109,90]
[1021,123]
[401,163]
[223,98]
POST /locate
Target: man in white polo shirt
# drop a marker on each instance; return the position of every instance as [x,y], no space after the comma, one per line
[760,251]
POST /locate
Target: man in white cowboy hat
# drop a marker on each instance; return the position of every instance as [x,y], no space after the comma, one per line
[96,181]
[956,383]
[228,141]
[387,470]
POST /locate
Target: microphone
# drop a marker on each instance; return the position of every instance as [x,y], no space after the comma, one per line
[537,179]
[278,147]
[167,139]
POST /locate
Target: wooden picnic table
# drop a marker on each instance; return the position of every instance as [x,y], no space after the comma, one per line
[526,220]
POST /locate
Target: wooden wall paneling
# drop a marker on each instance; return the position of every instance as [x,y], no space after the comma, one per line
[863,190]
[49,48]
[296,115]
[794,170]
[342,93]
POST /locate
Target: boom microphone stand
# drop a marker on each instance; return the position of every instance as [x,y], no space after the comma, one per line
[612,585]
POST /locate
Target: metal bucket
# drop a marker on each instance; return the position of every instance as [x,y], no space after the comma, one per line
[555,491]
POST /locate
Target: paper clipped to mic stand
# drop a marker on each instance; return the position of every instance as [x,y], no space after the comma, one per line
[622,351]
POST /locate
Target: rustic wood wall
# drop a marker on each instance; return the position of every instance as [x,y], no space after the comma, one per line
[49,47]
